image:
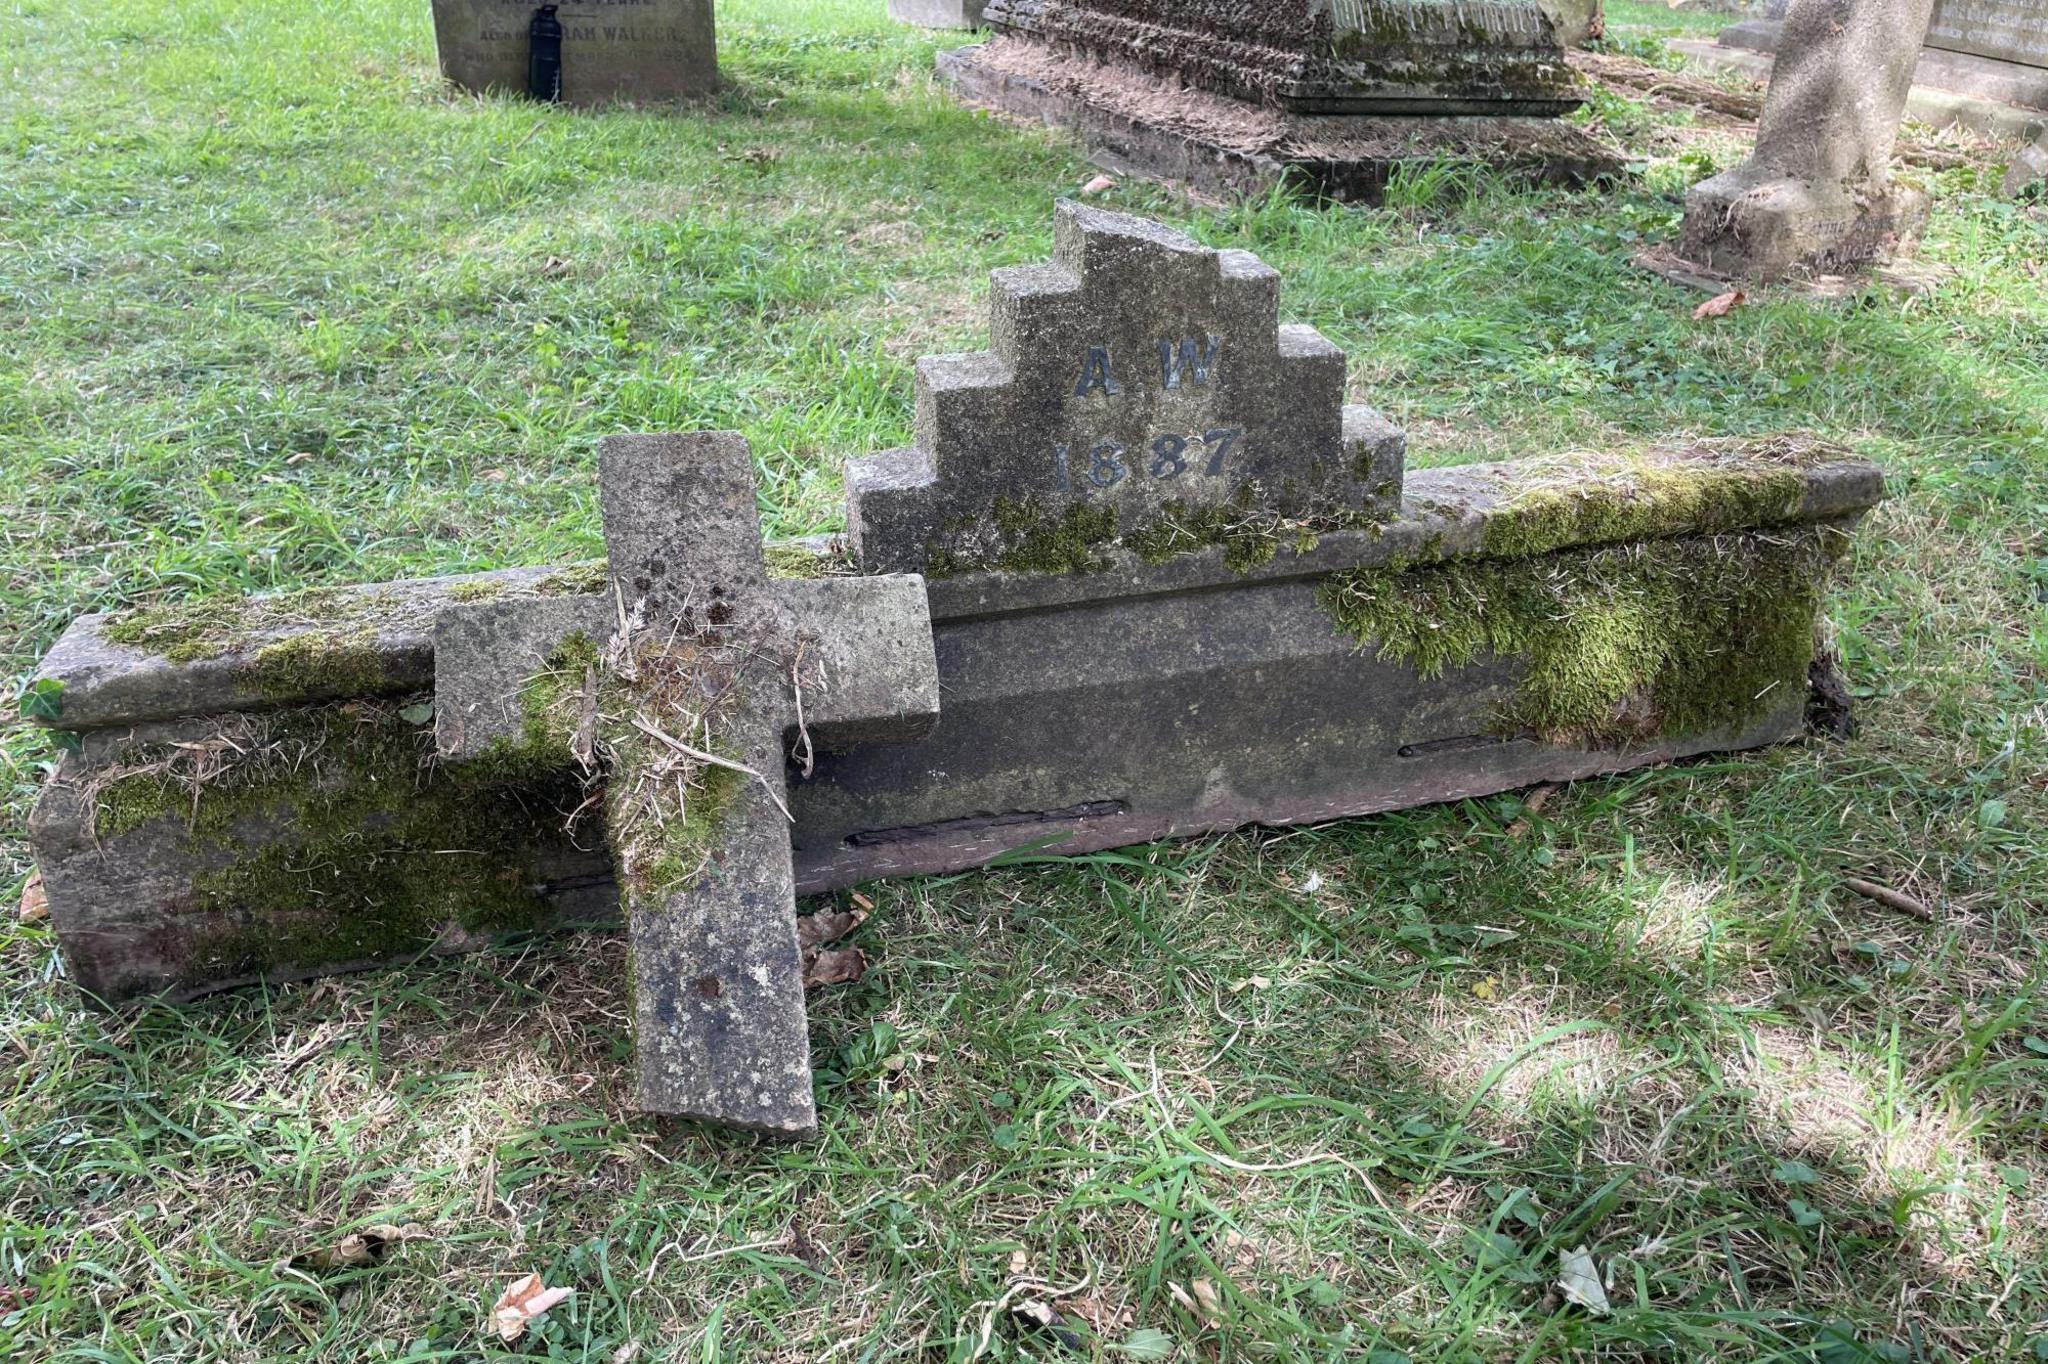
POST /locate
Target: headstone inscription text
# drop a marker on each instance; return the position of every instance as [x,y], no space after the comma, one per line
[611,49]
[1141,377]
[2004,30]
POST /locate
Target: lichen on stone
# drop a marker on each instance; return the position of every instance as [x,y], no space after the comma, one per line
[1618,643]
[1028,535]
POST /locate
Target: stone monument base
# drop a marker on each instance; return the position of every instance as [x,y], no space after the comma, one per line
[1142,125]
[1766,230]
[937,13]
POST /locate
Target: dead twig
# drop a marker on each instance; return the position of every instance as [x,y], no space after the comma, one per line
[652,731]
[1889,898]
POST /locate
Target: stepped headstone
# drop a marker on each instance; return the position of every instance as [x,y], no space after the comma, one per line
[1141,392]
[632,50]
[1816,191]
[704,660]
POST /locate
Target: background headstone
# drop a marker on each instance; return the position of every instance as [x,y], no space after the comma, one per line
[611,49]
[1991,50]
[937,13]
[1323,56]
[1815,193]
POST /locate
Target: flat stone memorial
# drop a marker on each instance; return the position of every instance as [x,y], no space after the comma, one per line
[631,50]
[1167,581]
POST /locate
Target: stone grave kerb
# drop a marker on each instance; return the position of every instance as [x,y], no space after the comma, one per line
[1140,382]
[690,671]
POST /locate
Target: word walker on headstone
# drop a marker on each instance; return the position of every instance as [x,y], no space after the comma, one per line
[611,49]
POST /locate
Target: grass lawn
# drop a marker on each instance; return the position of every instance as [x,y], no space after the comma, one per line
[278,309]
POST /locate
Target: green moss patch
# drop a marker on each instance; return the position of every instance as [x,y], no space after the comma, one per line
[1602,501]
[334,833]
[1621,643]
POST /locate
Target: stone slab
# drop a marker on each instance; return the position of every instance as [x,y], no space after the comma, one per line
[631,50]
[1414,57]
[1256,678]
[1134,123]
[721,1033]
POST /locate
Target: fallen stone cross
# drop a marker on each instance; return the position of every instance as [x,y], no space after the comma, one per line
[1334,98]
[1167,579]
[704,659]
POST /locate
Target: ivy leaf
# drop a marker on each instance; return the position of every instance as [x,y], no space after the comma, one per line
[42,701]
[1795,1172]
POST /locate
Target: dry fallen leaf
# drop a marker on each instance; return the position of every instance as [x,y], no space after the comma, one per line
[834,968]
[1580,1281]
[1720,305]
[1046,1318]
[1020,1264]
[1105,1319]
[1096,186]
[813,930]
[1488,989]
[35,905]
[1202,1302]
[358,1249]
[521,1303]
[626,1353]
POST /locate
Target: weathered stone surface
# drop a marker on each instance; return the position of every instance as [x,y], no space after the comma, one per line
[937,13]
[2029,168]
[1134,122]
[693,626]
[611,49]
[1265,671]
[1091,708]
[1322,56]
[1140,391]
[190,857]
[1576,22]
[1814,192]
[720,1028]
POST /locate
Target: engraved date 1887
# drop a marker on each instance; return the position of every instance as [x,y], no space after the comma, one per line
[1107,462]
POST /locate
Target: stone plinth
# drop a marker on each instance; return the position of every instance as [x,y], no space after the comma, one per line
[631,50]
[1317,57]
[1332,96]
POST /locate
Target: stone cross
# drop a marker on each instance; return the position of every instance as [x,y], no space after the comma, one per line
[1141,393]
[718,991]
[1815,193]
